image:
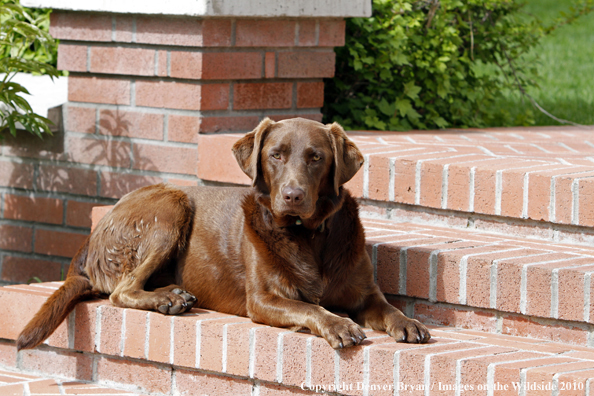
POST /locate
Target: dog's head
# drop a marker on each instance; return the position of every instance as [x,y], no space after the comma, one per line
[296,161]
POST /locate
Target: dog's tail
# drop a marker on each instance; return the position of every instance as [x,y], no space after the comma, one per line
[76,288]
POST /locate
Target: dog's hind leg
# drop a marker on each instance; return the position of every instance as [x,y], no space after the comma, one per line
[130,292]
[133,245]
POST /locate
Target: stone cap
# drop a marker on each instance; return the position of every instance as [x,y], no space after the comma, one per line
[216,8]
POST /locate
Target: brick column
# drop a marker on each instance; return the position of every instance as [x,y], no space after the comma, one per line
[181,76]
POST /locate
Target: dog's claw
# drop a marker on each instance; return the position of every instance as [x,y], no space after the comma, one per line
[162,309]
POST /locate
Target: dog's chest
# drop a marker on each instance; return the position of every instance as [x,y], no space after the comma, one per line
[309,269]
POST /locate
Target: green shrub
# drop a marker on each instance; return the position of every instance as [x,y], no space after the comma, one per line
[25,46]
[427,64]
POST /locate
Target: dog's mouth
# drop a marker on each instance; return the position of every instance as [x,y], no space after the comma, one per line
[303,210]
[280,210]
[303,215]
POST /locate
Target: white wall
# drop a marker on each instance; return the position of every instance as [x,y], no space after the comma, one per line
[45,93]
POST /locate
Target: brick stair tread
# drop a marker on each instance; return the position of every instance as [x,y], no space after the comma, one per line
[483,270]
[17,383]
[539,173]
[109,345]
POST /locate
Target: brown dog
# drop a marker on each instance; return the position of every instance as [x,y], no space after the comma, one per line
[280,252]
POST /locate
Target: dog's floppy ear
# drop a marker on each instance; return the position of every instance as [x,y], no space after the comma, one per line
[347,157]
[247,149]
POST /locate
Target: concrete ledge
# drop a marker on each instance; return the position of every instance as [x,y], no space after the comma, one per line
[216,8]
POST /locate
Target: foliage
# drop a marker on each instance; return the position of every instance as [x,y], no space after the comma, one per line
[434,64]
[25,46]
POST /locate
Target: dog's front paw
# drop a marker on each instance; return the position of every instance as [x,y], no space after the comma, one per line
[342,332]
[404,329]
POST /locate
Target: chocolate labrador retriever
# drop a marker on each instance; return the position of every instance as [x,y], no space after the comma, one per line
[282,252]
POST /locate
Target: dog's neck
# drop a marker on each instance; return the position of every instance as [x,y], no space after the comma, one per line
[326,206]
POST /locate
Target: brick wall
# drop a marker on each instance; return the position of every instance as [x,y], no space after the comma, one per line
[141,89]
[45,202]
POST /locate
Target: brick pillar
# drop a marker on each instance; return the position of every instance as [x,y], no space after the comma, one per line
[173,77]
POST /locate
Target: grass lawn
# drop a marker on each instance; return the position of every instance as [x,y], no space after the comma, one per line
[566,69]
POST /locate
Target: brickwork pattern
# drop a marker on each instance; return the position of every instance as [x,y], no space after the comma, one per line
[151,353]
[541,174]
[224,73]
[508,285]
[16,383]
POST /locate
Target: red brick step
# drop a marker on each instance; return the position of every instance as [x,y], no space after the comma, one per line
[507,285]
[224,354]
[16,383]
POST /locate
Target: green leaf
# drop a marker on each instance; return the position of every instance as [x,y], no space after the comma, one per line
[400,58]
[411,90]
[14,88]
[413,115]
[385,107]
[34,279]
[403,106]
[367,59]
[442,91]
[11,125]
[440,122]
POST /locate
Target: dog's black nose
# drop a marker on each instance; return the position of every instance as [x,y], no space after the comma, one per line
[293,196]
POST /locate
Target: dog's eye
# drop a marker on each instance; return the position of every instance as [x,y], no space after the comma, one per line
[316,158]
[276,156]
